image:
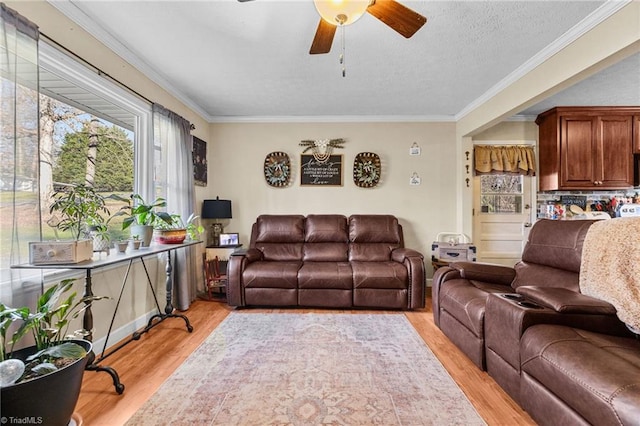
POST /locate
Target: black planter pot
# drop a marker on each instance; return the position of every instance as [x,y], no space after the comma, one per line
[47,400]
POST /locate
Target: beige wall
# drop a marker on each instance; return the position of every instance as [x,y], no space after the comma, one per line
[441,203]
[510,131]
[236,154]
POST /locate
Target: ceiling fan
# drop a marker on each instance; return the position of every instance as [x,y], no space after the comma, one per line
[338,13]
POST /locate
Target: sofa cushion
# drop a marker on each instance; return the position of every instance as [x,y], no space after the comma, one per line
[326,229]
[597,375]
[280,229]
[325,275]
[375,229]
[551,257]
[279,252]
[379,275]
[271,274]
[367,252]
[325,252]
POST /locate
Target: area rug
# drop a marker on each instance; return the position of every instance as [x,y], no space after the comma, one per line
[310,369]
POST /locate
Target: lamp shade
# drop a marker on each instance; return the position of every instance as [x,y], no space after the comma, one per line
[216,209]
[341,12]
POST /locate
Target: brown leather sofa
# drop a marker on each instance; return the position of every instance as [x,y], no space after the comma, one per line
[572,376]
[490,312]
[551,258]
[327,261]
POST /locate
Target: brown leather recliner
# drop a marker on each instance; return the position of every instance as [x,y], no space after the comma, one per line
[327,261]
[461,292]
[572,376]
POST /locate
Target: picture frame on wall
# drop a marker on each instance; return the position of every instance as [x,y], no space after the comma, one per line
[199,162]
[314,172]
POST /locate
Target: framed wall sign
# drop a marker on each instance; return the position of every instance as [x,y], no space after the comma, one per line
[320,173]
[199,162]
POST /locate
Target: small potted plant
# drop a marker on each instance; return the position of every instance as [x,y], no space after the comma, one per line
[83,213]
[141,216]
[43,381]
[122,245]
[136,241]
[178,230]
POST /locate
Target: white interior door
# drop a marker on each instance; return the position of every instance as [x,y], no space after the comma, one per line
[502,217]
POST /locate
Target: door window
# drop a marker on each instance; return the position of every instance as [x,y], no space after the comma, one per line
[501,194]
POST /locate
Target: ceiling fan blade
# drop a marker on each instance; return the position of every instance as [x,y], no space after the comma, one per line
[323,39]
[400,18]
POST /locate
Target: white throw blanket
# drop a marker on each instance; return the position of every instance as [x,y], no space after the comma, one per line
[610,268]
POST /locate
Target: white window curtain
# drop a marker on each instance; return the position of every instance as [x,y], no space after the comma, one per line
[172,133]
[19,138]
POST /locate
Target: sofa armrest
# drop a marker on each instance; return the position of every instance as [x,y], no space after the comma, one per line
[566,301]
[401,254]
[496,274]
[238,261]
[251,254]
[414,262]
[440,276]
[508,316]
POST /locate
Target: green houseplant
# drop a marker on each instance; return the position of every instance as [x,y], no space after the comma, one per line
[83,212]
[176,231]
[141,216]
[43,381]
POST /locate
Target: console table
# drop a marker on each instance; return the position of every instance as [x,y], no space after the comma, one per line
[113,259]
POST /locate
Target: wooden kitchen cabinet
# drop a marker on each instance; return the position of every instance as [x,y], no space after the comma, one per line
[586,148]
[636,134]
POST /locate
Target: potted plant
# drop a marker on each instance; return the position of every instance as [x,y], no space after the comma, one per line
[176,231]
[141,216]
[136,241]
[43,381]
[82,211]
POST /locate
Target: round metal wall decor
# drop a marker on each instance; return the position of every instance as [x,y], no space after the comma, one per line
[366,170]
[277,169]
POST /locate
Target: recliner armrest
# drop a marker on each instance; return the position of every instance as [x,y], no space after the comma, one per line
[251,254]
[400,254]
[497,274]
[566,301]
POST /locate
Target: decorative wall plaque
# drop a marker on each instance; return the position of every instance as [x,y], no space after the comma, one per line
[199,162]
[277,169]
[326,173]
[366,170]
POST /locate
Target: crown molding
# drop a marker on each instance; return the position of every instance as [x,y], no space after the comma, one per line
[587,24]
[71,11]
[334,119]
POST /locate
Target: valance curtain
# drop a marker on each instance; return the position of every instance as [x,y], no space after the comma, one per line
[172,133]
[19,138]
[502,159]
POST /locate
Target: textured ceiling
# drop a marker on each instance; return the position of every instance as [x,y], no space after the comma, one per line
[245,61]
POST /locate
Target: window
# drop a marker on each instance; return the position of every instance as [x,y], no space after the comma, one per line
[501,193]
[77,104]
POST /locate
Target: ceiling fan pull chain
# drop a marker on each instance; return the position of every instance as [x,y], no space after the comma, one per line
[342,61]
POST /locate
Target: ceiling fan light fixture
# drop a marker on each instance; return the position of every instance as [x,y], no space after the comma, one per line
[341,12]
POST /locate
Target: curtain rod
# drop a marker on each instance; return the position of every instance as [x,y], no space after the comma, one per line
[95,68]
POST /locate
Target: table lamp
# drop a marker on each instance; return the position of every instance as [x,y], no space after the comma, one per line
[216,209]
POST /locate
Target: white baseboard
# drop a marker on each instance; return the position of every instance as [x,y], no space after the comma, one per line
[429,282]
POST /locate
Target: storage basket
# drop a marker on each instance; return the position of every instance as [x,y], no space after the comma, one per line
[452,246]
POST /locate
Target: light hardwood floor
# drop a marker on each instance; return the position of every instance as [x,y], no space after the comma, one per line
[144,365]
